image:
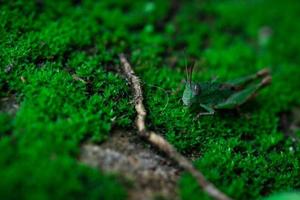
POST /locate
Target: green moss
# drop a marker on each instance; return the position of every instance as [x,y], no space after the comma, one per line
[60,59]
[40,54]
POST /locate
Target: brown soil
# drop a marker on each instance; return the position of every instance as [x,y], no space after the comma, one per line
[153,176]
[9,105]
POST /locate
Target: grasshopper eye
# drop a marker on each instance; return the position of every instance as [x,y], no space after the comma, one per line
[196,89]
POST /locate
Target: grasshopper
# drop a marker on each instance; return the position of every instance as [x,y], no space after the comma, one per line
[211,96]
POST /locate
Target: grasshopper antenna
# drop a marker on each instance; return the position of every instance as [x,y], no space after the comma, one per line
[187,74]
[189,71]
[192,69]
[186,68]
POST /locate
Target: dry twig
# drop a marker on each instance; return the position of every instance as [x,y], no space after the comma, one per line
[158,140]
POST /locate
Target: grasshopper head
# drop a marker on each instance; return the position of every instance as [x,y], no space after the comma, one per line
[190,92]
[191,89]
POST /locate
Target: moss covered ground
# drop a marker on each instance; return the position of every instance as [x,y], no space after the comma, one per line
[59,88]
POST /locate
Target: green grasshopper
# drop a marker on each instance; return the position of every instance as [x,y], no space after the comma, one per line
[213,95]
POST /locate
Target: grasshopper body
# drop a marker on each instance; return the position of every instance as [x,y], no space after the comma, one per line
[212,96]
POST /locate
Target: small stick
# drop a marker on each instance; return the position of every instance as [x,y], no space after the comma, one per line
[157,140]
[77,78]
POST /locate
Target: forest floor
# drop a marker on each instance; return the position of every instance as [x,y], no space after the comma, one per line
[67,116]
[151,174]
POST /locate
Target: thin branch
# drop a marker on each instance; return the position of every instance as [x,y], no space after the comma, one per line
[157,140]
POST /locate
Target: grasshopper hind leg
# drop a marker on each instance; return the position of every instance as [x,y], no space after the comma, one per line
[242,96]
[242,82]
[210,111]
